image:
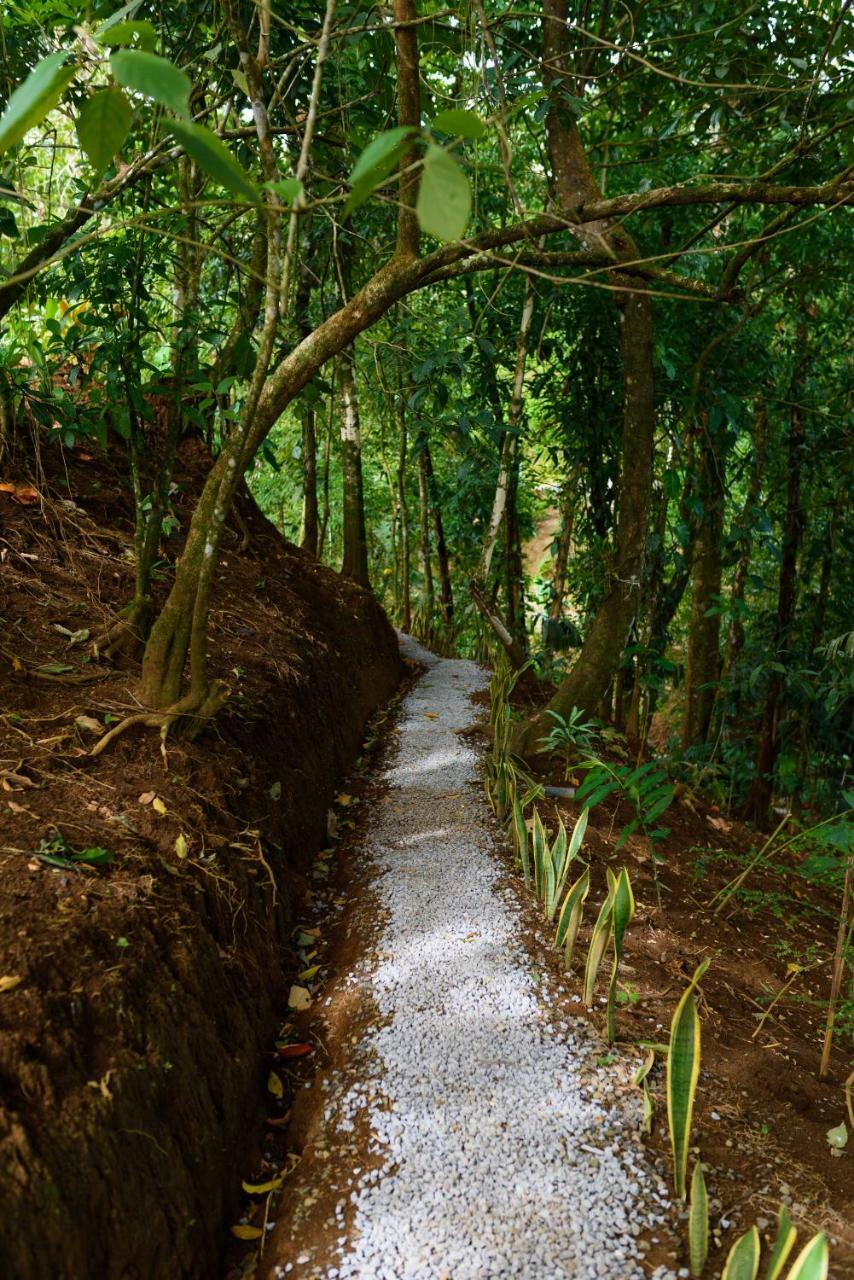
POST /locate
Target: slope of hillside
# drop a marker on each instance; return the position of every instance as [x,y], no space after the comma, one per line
[140,982]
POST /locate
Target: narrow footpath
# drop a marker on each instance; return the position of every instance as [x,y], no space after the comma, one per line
[493,1145]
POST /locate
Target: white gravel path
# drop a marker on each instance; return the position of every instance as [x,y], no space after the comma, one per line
[496,1160]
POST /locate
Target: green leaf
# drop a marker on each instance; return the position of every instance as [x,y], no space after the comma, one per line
[598,942]
[212,155]
[120,34]
[37,96]
[460,123]
[623,904]
[381,154]
[240,79]
[444,196]
[683,1070]
[698,1222]
[520,833]
[743,1260]
[288,189]
[103,125]
[153,77]
[812,1262]
[569,920]
[541,851]
[783,1245]
[126,11]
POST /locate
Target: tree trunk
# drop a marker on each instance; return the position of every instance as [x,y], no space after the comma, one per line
[514,568]
[703,661]
[564,544]
[761,791]
[355,558]
[403,513]
[310,518]
[573,180]
[427,594]
[735,634]
[446,593]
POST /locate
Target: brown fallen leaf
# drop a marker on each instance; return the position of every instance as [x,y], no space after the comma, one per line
[147,797]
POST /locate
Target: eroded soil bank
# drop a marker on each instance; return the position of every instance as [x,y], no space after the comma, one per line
[140,991]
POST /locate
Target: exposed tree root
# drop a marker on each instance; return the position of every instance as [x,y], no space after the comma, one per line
[192,715]
[125,635]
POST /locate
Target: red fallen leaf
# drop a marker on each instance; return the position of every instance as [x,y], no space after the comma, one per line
[294,1050]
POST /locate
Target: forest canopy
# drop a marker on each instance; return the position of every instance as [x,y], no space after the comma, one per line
[532,321]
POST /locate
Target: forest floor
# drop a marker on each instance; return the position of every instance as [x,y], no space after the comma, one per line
[449,1109]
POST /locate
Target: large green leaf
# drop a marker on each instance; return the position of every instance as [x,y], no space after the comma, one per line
[569,919]
[463,124]
[444,196]
[698,1222]
[212,155]
[33,99]
[103,125]
[743,1260]
[520,835]
[624,909]
[120,34]
[381,154]
[812,1262]
[599,941]
[683,1070]
[153,77]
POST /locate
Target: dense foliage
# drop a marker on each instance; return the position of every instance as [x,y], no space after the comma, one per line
[631,377]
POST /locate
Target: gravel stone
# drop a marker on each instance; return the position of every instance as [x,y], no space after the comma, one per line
[497,1159]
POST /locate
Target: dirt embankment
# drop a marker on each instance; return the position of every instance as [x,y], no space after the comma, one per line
[140,986]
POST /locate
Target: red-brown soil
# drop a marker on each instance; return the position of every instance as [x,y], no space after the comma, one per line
[131,1073]
[762,1114]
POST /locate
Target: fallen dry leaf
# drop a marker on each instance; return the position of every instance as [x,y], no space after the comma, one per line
[244,1232]
[294,1050]
[299,998]
[158,805]
[275,1086]
[147,797]
[9,981]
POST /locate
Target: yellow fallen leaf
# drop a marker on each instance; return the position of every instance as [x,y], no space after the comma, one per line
[158,805]
[261,1188]
[9,981]
[244,1232]
[431,715]
[344,799]
[308,973]
[275,1086]
[181,846]
[299,998]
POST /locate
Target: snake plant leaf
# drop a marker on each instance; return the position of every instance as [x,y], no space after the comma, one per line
[559,866]
[598,943]
[813,1260]
[540,850]
[569,920]
[698,1222]
[578,835]
[783,1245]
[624,909]
[743,1260]
[647,1109]
[549,884]
[520,832]
[683,1070]
[644,1068]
